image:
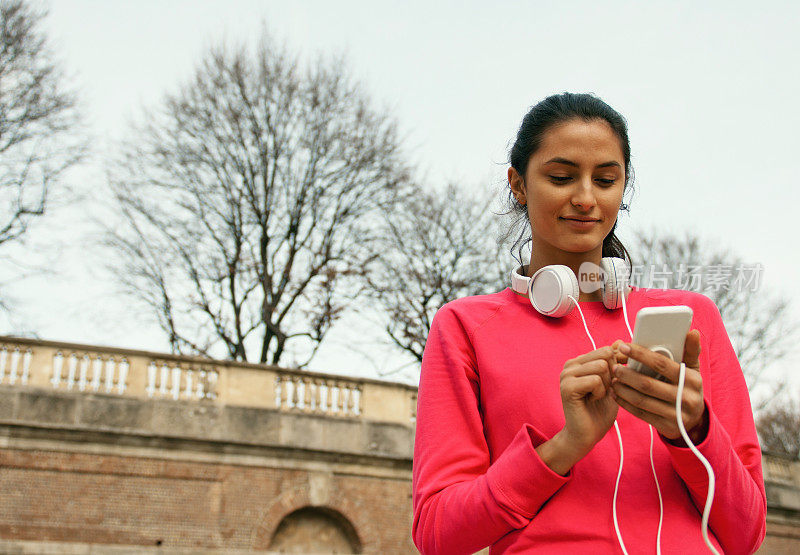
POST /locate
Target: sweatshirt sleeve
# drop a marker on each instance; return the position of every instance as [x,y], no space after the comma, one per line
[738,512]
[462,500]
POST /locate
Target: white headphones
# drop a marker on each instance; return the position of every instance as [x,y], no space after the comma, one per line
[550,288]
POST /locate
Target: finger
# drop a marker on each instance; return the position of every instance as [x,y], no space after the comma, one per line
[620,357]
[664,426]
[592,367]
[692,382]
[692,403]
[646,403]
[691,349]
[661,364]
[581,386]
[595,367]
[645,384]
[606,352]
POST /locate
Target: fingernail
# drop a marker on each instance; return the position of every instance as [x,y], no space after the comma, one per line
[625,348]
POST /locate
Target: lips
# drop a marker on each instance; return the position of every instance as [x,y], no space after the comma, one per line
[581,225]
[580,218]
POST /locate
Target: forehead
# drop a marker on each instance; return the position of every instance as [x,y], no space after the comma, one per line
[584,142]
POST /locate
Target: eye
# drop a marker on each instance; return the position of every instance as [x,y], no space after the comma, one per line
[559,178]
[605,182]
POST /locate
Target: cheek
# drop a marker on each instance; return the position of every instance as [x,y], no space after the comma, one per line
[543,218]
[545,203]
[611,202]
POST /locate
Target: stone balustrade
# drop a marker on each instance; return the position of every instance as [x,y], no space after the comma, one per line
[781,470]
[142,374]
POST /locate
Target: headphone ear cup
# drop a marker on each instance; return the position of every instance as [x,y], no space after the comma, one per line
[550,288]
[615,281]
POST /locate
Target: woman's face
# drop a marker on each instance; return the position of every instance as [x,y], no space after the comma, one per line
[573,187]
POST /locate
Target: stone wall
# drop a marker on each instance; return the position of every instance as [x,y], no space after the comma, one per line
[98,469]
[130,451]
[114,451]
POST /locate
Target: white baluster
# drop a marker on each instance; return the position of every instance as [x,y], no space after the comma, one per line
[318,383]
[213,380]
[162,386]
[327,398]
[333,397]
[84,372]
[97,371]
[26,365]
[73,365]
[123,375]
[12,378]
[286,383]
[152,370]
[351,399]
[307,394]
[109,377]
[176,383]
[3,358]
[187,391]
[295,392]
[201,383]
[58,362]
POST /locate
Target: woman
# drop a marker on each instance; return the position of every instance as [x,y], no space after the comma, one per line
[514,447]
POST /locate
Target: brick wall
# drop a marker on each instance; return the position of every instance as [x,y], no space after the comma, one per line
[79,469]
[111,499]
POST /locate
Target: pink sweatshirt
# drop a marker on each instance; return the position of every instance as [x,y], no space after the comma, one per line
[489,394]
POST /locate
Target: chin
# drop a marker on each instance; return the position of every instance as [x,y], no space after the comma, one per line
[581,246]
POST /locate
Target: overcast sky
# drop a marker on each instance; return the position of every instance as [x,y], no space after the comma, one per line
[710,91]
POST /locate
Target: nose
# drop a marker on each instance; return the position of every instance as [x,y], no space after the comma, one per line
[583,195]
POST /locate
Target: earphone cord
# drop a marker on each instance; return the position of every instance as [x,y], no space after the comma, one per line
[700,457]
[684,435]
[652,462]
[694,450]
[619,435]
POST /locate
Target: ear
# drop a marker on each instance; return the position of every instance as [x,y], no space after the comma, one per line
[517,184]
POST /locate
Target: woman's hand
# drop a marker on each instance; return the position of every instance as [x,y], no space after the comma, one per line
[653,400]
[589,407]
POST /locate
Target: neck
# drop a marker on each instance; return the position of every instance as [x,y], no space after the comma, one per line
[543,256]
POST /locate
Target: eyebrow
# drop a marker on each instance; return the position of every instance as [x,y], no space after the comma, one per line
[566,162]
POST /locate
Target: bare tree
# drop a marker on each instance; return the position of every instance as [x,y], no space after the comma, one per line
[759,323]
[436,246]
[247,202]
[779,429]
[38,118]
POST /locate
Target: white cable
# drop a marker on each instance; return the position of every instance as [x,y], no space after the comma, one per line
[616,490]
[619,438]
[694,450]
[658,490]
[594,346]
[700,457]
[652,462]
[625,315]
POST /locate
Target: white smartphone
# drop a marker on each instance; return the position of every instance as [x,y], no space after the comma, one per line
[661,329]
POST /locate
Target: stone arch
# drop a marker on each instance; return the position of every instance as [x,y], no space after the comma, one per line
[311,529]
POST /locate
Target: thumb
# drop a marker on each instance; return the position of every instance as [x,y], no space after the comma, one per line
[691,349]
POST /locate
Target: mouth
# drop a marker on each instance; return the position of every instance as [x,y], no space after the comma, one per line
[580,224]
[579,219]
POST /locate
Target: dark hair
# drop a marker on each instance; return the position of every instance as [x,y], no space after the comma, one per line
[551,111]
